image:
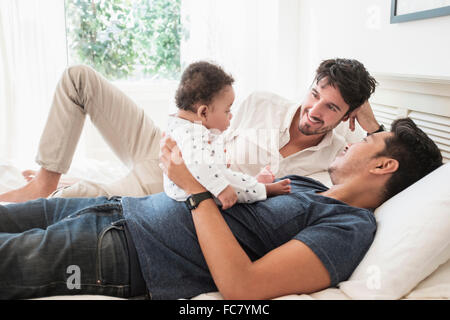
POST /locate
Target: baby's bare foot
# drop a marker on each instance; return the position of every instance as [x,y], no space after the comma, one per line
[278,188]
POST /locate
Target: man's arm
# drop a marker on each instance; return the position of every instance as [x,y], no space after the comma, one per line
[289,269]
[200,157]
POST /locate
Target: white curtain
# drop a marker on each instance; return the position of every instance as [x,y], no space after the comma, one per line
[254,40]
[32,58]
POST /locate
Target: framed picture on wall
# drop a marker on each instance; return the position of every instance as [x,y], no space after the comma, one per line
[408,10]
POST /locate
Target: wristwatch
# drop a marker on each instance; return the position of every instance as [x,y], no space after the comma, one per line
[193,201]
[380,129]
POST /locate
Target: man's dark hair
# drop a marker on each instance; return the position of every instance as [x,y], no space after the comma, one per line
[199,84]
[354,82]
[415,152]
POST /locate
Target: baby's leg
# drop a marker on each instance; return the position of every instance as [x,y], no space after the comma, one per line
[278,188]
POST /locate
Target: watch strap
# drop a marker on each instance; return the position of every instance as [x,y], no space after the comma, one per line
[380,129]
[193,201]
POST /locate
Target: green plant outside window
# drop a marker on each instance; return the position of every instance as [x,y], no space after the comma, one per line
[126,39]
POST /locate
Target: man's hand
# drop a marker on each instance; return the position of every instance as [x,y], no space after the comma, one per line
[365,117]
[171,162]
[227,197]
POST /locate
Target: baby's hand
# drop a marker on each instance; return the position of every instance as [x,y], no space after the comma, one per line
[227,197]
[278,188]
[265,175]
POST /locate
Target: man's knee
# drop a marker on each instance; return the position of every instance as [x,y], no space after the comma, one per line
[80,71]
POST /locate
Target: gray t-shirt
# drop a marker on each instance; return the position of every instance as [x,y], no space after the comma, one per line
[173,265]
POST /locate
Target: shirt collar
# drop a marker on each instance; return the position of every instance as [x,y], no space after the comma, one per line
[173,119]
[289,117]
[326,141]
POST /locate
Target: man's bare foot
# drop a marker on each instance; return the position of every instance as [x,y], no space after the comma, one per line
[278,188]
[64,181]
[40,186]
[29,174]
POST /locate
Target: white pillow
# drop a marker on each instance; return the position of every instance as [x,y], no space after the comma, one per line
[436,286]
[412,240]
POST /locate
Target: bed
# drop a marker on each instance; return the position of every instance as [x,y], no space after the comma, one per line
[410,256]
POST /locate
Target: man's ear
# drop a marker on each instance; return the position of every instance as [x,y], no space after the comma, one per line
[385,166]
[202,111]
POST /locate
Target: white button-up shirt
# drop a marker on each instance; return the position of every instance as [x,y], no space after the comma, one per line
[260,128]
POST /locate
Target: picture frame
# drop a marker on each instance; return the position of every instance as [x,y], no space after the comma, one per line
[409,10]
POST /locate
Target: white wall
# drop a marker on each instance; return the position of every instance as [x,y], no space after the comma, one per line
[362,30]
[254,40]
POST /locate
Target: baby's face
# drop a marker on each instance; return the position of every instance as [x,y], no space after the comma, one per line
[219,115]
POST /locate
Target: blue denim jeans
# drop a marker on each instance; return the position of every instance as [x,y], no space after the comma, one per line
[62,246]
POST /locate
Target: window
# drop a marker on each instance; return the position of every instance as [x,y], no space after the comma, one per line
[136,45]
[125,39]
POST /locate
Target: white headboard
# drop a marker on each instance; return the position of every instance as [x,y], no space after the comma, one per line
[426,100]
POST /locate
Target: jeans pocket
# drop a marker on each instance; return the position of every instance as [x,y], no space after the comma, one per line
[113,253]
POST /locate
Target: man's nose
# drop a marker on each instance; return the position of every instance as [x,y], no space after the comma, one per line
[316,111]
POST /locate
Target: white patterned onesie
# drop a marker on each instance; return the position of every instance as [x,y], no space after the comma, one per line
[204,156]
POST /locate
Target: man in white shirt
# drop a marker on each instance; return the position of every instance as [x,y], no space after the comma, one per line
[255,139]
[266,130]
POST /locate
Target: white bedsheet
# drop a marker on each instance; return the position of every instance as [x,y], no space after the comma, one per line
[436,286]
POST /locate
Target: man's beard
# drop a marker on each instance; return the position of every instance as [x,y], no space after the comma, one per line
[305,130]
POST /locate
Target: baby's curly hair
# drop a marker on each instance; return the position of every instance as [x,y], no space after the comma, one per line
[416,153]
[200,83]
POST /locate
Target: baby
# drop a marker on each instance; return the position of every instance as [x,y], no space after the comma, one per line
[204,98]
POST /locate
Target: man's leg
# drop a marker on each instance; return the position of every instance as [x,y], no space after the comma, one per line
[44,183]
[145,178]
[62,247]
[132,136]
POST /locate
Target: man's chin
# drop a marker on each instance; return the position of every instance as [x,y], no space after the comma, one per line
[331,170]
[308,131]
